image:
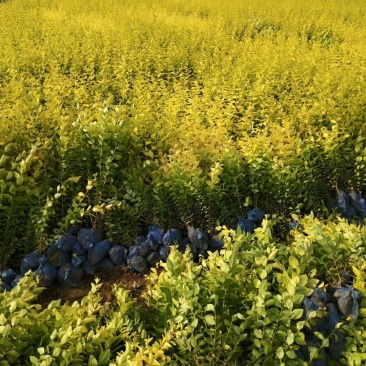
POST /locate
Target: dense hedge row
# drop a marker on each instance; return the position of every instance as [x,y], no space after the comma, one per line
[123,113]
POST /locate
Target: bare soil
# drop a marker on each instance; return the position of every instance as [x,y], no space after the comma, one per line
[134,282]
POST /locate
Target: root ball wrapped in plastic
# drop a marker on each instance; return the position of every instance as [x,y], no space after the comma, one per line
[348,301]
[4,287]
[139,240]
[16,280]
[172,237]
[155,235]
[319,295]
[59,258]
[47,275]
[117,254]
[98,235]
[66,242]
[216,243]
[198,238]
[245,225]
[78,261]
[139,264]
[144,249]
[78,249]
[337,340]
[8,276]
[358,203]
[318,323]
[132,253]
[98,251]
[153,258]
[86,238]
[342,201]
[88,269]
[351,212]
[29,262]
[164,253]
[70,275]
[106,263]
[256,215]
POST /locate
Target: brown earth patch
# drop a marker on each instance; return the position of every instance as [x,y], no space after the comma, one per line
[134,282]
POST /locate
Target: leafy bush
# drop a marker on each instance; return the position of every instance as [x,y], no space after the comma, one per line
[242,306]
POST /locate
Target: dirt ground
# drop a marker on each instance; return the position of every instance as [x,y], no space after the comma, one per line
[135,282]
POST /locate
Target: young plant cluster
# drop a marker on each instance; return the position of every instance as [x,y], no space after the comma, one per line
[257,301]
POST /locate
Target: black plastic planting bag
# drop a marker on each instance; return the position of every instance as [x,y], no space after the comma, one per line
[88,269]
[246,225]
[153,258]
[198,238]
[155,235]
[172,237]
[16,280]
[337,340]
[192,235]
[202,240]
[117,254]
[342,201]
[106,263]
[78,260]
[351,212]
[70,275]
[319,323]
[144,249]
[319,296]
[256,215]
[59,258]
[358,203]
[78,249]
[139,240]
[4,287]
[53,248]
[98,235]
[86,238]
[348,301]
[203,253]
[8,276]
[164,253]
[139,264]
[216,243]
[66,242]
[47,275]
[132,253]
[29,262]
[98,251]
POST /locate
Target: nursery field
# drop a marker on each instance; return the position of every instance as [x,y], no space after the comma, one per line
[118,115]
[175,111]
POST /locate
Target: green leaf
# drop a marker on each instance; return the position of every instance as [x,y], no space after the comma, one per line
[291,354]
[294,263]
[92,361]
[210,307]
[258,333]
[280,353]
[209,319]
[297,314]
[104,357]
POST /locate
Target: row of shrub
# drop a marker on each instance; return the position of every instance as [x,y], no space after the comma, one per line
[122,113]
[243,305]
